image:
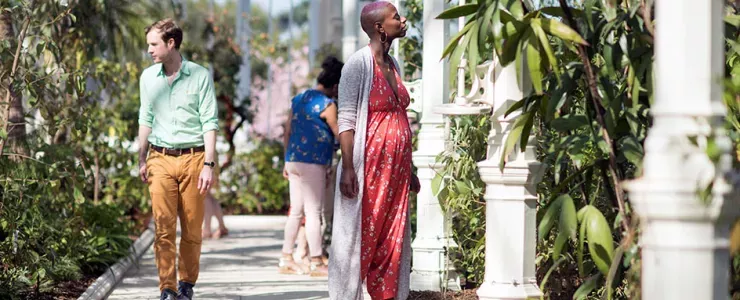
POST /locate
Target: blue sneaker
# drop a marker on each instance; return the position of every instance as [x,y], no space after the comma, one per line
[185,291]
[168,294]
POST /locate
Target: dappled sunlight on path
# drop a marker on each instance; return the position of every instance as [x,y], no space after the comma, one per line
[242,265]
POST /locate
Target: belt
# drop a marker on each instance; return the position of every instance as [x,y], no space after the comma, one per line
[178,152]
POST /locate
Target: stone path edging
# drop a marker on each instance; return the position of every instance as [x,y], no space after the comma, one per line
[103,286]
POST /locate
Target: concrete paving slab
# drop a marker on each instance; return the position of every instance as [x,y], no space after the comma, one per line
[242,265]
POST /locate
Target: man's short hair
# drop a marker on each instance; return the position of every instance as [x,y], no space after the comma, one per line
[169,30]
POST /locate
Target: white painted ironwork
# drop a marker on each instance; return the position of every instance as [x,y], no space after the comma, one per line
[415,92]
[432,236]
[677,225]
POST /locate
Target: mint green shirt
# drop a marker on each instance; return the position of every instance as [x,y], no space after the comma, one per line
[178,114]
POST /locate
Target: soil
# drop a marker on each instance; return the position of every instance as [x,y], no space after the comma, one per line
[67,290]
[427,295]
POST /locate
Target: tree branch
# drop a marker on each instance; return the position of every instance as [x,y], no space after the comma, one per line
[13,71]
[596,99]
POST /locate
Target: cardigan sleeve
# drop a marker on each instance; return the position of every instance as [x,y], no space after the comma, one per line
[350,85]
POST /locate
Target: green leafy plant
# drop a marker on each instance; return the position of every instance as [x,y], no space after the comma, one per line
[460,190]
[590,66]
[410,47]
[256,183]
[68,189]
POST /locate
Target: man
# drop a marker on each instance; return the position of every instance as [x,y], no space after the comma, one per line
[177,129]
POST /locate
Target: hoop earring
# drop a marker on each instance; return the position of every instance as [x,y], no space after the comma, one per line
[383,37]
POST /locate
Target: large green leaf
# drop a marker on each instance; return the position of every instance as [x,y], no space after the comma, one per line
[612,58]
[511,140]
[503,27]
[600,242]
[456,57]
[569,123]
[486,24]
[562,31]
[497,29]
[610,9]
[462,188]
[436,184]
[519,56]
[588,286]
[510,51]
[632,150]
[527,130]
[557,11]
[473,53]
[459,11]
[516,106]
[455,41]
[549,218]
[581,215]
[733,20]
[560,94]
[78,196]
[545,45]
[513,6]
[534,64]
[567,224]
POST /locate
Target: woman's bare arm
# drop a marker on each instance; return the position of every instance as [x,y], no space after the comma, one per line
[330,115]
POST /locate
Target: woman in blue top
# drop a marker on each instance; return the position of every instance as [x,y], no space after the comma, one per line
[309,146]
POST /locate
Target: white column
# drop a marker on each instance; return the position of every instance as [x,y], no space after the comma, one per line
[314,34]
[362,38]
[677,224]
[511,202]
[432,234]
[351,25]
[243,34]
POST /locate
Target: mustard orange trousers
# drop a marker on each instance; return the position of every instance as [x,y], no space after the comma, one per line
[173,185]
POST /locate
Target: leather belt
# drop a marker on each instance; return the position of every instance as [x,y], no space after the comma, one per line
[177,152]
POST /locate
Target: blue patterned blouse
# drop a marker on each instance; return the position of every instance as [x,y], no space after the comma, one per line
[311,140]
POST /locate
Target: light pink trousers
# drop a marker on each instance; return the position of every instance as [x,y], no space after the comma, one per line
[307,188]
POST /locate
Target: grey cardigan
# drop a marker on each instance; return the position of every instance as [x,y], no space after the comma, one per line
[344,260]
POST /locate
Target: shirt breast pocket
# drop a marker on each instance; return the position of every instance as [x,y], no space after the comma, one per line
[187,109]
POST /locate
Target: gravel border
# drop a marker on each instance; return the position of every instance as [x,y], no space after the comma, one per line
[103,286]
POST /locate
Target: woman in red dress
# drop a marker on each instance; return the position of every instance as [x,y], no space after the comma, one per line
[373,103]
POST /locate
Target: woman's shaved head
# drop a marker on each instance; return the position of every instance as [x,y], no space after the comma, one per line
[381,21]
[374,12]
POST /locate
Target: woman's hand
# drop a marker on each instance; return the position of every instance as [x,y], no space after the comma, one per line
[285,172]
[348,185]
[415,184]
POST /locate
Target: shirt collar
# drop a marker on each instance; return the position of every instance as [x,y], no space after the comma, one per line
[184,68]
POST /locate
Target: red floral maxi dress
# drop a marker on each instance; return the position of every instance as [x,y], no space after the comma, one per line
[386,189]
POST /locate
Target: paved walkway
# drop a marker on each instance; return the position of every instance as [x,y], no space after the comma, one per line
[240,266]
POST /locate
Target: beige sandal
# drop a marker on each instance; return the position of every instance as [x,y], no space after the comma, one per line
[289,266]
[318,269]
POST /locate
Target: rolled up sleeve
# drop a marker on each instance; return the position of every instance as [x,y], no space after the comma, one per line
[349,95]
[208,108]
[146,115]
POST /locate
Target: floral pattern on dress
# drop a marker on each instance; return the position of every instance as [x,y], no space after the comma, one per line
[387,184]
[311,140]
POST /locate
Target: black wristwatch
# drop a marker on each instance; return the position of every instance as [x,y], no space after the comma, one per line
[210,164]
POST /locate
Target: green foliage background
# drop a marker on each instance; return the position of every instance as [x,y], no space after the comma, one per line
[591,68]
